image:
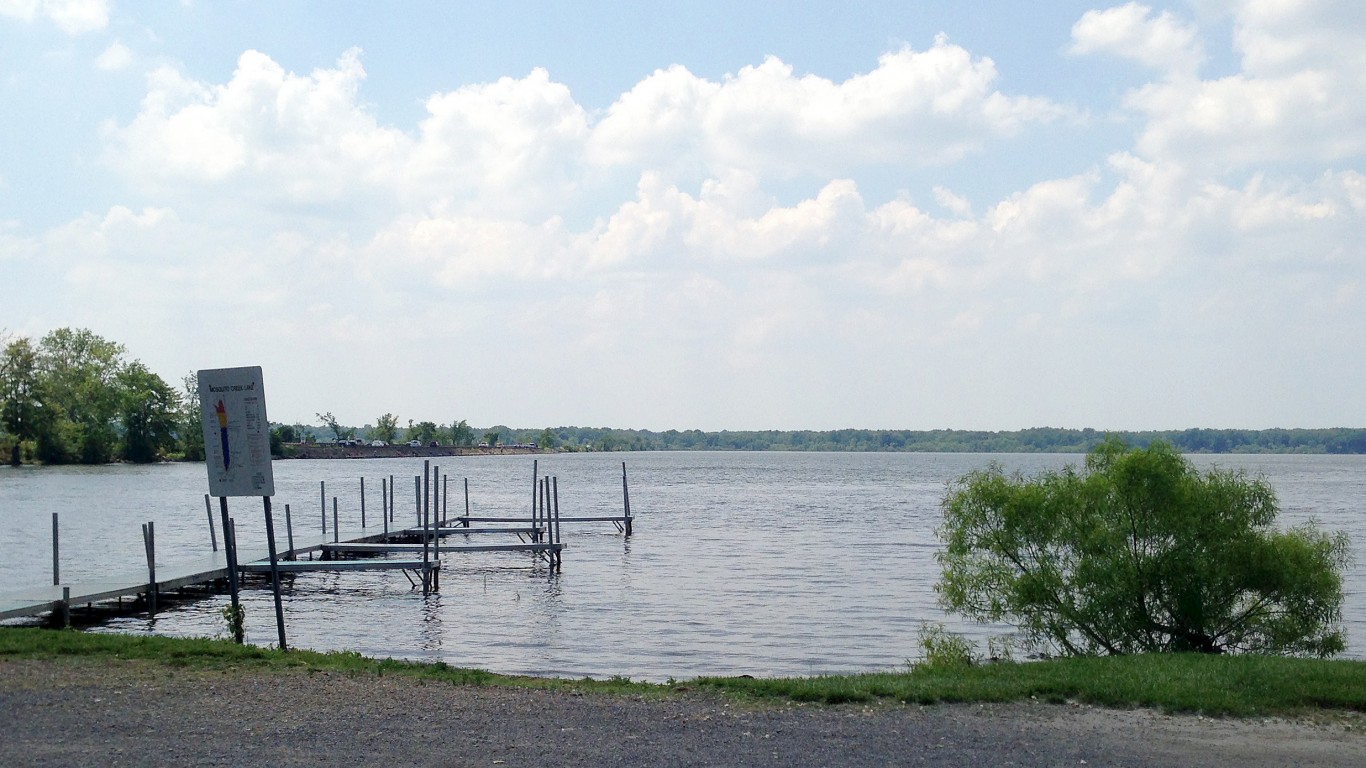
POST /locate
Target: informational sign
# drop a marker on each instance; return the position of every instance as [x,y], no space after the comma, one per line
[232,405]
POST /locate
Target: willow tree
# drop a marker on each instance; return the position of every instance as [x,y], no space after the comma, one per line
[1140,552]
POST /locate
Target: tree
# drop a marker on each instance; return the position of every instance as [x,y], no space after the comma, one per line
[191,429]
[491,437]
[1140,552]
[423,431]
[386,428]
[149,411]
[461,433]
[548,439]
[331,423]
[79,376]
[21,401]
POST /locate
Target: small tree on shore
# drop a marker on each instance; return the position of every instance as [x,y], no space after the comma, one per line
[386,428]
[330,421]
[1140,552]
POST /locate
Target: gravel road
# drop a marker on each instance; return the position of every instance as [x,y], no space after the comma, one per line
[84,712]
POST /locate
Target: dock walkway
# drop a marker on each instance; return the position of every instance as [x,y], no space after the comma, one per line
[38,600]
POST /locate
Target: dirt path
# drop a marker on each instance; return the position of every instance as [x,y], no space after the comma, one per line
[82,712]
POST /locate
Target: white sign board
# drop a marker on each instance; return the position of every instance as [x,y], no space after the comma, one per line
[232,405]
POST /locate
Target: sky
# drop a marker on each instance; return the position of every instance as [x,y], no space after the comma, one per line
[766,215]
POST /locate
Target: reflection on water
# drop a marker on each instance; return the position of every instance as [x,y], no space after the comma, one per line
[758,563]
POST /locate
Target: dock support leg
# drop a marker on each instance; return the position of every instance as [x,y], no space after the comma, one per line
[213,533]
[555,539]
[289,534]
[66,607]
[626,499]
[149,542]
[56,561]
[424,512]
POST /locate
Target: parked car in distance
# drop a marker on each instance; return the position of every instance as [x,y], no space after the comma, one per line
[414,443]
[433,444]
[378,443]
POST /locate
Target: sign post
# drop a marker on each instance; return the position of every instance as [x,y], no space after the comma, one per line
[237,455]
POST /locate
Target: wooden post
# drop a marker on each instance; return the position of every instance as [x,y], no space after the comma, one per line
[289,534]
[149,543]
[535,487]
[392,490]
[626,498]
[322,499]
[384,505]
[213,533]
[56,561]
[230,554]
[467,502]
[445,497]
[362,505]
[66,607]
[274,573]
[336,528]
[417,498]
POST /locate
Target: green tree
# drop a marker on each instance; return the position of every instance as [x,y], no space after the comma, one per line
[79,377]
[21,400]
[330,421]
[491,437]
[386,428]
[1140,552]
[548,439]
[423,431]
[462,433]
[191,429]
[150,409]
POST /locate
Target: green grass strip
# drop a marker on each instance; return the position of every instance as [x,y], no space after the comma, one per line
[1243,686]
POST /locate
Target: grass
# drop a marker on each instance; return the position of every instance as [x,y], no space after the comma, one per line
[1241,686]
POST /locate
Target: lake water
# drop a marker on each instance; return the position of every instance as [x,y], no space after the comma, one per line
[740,563]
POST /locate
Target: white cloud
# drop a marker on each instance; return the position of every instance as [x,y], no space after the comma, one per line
[73,17]
[116,57]
[267,135]
[511,145]
[1160,41]
[1294,101]
[916,108]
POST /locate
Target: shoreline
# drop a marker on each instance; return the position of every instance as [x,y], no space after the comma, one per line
[294,451]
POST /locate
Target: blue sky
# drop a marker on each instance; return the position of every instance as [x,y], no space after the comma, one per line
[782,215]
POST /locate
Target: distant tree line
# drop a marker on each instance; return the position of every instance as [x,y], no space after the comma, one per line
[1035,440]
